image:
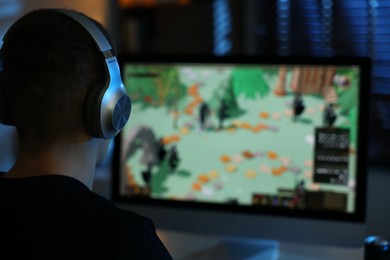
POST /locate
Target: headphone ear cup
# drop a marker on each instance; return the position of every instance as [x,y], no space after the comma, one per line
[121,112]
[92,106]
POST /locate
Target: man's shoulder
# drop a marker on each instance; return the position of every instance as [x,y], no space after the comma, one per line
[86,222]
[96,206]
[127,231]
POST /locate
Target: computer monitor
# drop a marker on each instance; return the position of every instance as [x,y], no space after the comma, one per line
[255,147]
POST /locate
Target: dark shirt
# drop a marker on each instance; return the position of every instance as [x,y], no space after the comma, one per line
[58,217]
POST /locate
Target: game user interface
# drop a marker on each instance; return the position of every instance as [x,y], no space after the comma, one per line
[250,135]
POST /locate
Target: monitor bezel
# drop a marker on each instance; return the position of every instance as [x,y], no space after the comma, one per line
[359,216]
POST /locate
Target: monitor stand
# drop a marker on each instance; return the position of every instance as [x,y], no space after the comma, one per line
[235,248]
[196,247]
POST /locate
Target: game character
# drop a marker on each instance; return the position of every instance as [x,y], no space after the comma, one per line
[161,151]
[204,112]
[233,201]
[298,106]
[329,115]
[300,194]
[174,158]
[147,174]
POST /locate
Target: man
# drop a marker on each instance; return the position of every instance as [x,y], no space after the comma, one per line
[51,67]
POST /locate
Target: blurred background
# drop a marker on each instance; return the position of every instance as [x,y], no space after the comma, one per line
[249,27]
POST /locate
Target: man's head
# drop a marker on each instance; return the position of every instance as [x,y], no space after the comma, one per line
[50,64]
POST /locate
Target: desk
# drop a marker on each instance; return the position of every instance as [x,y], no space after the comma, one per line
[184,246]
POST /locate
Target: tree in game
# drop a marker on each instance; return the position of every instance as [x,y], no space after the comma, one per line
[224,102]
[229,101]
[347,94]
[250,82]
[156,86]
[170,90]
[347,101]
[222,113]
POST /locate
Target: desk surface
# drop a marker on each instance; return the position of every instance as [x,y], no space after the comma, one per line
[196,247]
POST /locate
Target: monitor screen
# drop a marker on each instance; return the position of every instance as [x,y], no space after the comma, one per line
[273,136]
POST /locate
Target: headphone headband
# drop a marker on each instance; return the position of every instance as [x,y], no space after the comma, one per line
[94,31]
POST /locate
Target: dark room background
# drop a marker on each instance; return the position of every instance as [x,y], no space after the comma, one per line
[271,27]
